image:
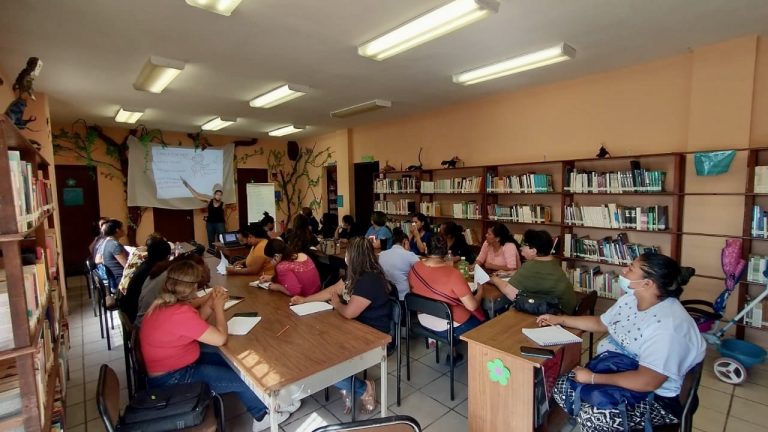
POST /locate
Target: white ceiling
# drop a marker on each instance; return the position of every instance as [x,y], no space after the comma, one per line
[93,50]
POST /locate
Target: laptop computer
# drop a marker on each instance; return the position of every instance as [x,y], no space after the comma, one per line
[229,239]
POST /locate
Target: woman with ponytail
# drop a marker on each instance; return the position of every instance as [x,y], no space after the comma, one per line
[363,297]
[170,337]
[648,324]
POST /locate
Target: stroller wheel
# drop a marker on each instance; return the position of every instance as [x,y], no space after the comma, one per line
[730,371]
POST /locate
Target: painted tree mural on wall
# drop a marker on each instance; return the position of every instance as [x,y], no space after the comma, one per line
[296,173]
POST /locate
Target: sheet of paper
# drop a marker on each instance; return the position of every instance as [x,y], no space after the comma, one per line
[222,267]
[473,286]
[481,276]
[257,284]
[310,308]
[231,302]
[239,326]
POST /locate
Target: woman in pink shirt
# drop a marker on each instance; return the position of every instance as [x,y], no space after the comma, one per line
[170,337]
[499,251]
[295,273]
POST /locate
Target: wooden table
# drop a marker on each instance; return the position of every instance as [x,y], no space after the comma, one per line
[312,352]
[493,407]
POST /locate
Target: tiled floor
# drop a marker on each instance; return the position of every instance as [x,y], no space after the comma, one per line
[723,407]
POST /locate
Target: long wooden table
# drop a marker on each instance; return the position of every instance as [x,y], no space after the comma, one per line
[496,407]
[310,353]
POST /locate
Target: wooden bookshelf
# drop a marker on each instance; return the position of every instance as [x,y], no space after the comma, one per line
[23,239]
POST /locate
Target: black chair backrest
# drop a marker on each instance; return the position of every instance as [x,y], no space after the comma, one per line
[421,304]
[689,396]
[587,304]
[397,423]
[108,397]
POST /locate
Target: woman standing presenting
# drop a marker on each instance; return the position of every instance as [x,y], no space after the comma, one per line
[214,222]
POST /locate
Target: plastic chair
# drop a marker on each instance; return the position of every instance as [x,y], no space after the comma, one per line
[398,423]
[105,306]
[127,326]
[419,304]
[108,404]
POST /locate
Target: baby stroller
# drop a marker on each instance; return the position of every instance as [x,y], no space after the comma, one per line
[737,355]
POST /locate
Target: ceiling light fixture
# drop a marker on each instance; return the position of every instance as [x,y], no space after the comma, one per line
[221,7]
[125,116]
[217,123]
[285,130]
[282,94]
[424,28]
[362,108]
[157,73]
[517,64]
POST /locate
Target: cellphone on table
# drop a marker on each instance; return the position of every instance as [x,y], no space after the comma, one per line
[247,314]
[536,352]
[236,297]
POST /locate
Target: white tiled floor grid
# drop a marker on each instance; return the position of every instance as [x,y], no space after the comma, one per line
[722,408]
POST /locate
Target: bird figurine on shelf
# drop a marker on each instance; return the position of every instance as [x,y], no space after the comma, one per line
[603,152]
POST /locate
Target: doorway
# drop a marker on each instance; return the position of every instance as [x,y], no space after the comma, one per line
[245,176]
[365,172]
[174,225]
[78,198]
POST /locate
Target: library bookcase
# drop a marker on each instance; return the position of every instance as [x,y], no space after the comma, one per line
[602,211]
[33,325]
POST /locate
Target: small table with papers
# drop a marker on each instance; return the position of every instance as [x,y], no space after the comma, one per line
[496,405]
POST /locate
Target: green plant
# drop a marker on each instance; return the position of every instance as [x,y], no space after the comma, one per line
[293,178]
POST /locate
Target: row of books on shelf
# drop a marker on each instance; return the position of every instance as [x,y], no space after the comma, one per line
[524,213]
[653,218]
[761,179]
[455,185]
[754,317]
[587,279]
[523,183]
[32,195]
[632,181]
[609,250]
[397,207]
[756,265]
[759,226]
[405,184]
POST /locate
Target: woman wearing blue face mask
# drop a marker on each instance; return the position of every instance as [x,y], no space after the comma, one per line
[649,324]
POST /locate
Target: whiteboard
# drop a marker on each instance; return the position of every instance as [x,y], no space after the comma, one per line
[261,198]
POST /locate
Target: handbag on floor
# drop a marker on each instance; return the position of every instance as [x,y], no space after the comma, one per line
[174,407]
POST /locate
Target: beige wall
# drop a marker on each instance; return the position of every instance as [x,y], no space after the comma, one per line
[112,197]
[6,94]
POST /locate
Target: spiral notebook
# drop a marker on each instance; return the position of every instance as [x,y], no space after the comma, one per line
[552,335]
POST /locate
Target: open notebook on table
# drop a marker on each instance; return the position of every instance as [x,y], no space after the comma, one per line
[552,335]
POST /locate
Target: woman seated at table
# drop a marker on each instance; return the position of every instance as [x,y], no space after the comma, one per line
[300,237]
[295,272]
[268,222]
[649,324]
[420,233]
[158,276]
[111,254]
[157,251]
[379,234]
[540,274]
[457,243]
[364,297]
[99,236]
[255,263]
[169,338]
[439,280]
[346,230]
[499,251]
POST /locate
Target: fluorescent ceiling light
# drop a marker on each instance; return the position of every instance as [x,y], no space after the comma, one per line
[424,28]
[285,130]
[364,107]
[517,64]
[221,7]
[125,116]
[282,94]
[157,73]
[217,123]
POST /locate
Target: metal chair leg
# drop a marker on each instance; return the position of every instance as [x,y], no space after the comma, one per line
[437,351]
[451,359]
